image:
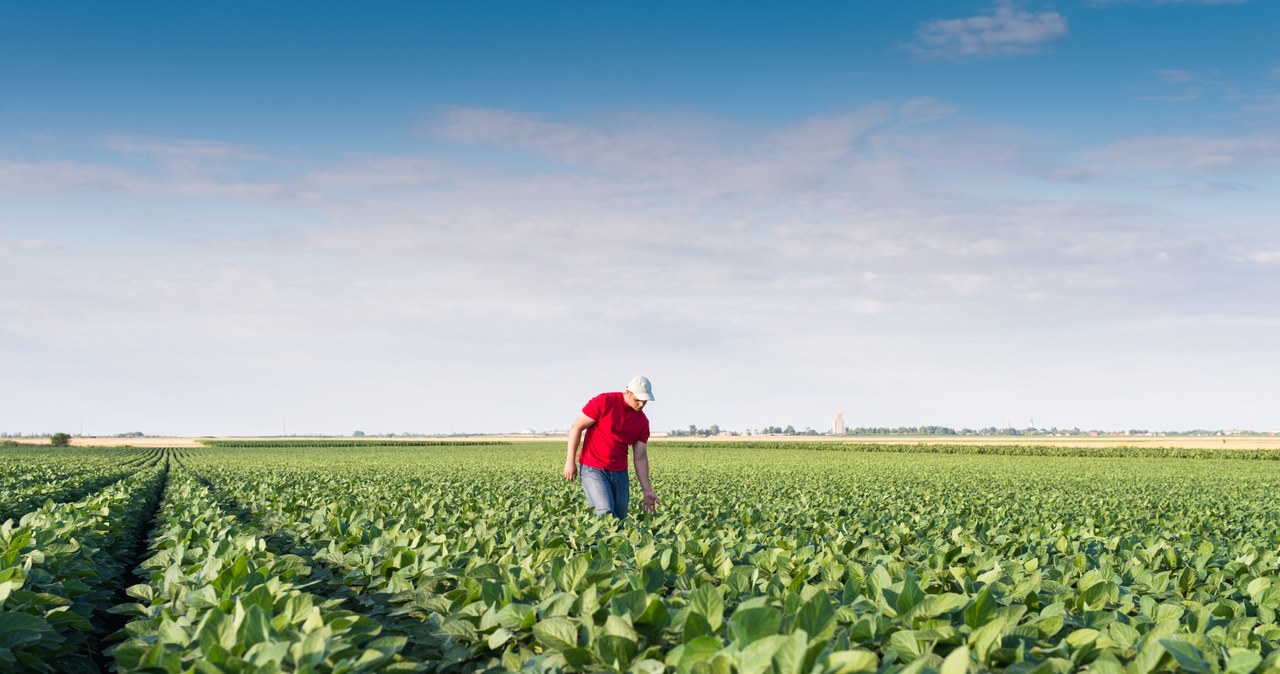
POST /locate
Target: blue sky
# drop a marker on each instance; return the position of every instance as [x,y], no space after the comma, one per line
[444,217]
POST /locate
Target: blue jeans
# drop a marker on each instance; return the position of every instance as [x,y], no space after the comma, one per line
[608,491]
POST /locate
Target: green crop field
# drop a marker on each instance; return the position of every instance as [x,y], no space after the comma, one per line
[788,559]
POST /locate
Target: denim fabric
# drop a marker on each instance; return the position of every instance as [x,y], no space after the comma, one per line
[608,491]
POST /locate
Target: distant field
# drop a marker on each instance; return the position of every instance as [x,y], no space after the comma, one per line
[1209,442]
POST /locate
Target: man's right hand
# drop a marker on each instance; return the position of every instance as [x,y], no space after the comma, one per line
[570,471]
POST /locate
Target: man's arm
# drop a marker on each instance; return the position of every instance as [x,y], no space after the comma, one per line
[582,423]
[640,450]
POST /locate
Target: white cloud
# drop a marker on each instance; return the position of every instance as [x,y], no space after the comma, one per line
[1168,2]
[1175,76]
[1184,153]
[49,175]
[179,147]
[382,172]
[1005,31]
[12,247]
[1266,103]
[173,179]
[1262,256]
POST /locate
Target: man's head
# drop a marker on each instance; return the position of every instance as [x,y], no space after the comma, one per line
[639,391]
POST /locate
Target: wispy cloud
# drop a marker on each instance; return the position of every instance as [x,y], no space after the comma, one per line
[1262,256]
[1006,30]
[1175,76]
[69,175]
[1264,103]
[179,148]
[1184,153]
[1175,85]
[15,247]
[708,157]
[1101,3]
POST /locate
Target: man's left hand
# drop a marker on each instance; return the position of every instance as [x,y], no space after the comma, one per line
[650,502]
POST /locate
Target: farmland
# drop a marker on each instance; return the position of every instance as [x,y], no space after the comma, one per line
[785,559]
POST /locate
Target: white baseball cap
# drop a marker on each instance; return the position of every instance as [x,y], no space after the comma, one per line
[641,388]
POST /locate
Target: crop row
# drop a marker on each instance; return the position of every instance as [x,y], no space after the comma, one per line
[29,478]
[60,571]
[218,598]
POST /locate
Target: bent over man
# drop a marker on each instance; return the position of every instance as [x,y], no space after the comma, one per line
[612,421]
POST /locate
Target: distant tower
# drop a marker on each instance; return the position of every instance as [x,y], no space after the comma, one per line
[837,424]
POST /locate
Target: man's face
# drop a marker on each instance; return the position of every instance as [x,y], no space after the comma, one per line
[635,403]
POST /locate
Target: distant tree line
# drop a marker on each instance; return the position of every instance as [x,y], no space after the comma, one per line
[1031,431]
[694,432]
[863,431]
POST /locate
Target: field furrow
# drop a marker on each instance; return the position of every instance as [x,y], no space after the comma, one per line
[214,595]
[61,570]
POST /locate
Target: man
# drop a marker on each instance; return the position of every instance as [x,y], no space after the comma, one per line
[613,421]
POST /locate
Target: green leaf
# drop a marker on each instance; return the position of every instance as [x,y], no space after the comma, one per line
[910,594]
[311,651]
[935,605]
[620,627]
[1082,637]
[500,637]
[850,662]
[515,616]
[647,666]
[980,610]
[577,658]
[956,662]
[267,655]
[817,617]
[707,602]
[789,658]
[1124,635]
[1148,658]
[753,624]
[1257,588]
[1105,663]
[256,627]
[695,626]
[697,650]
[617,651]
[570,574]
[757,656]
[557,633]
[910,645]
[141,591]
[1242,661]
[1188,656]
[17,629]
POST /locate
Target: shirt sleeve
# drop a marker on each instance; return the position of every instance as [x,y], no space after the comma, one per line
[595,407]
[644,432]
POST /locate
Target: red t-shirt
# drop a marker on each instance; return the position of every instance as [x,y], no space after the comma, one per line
[617,426]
